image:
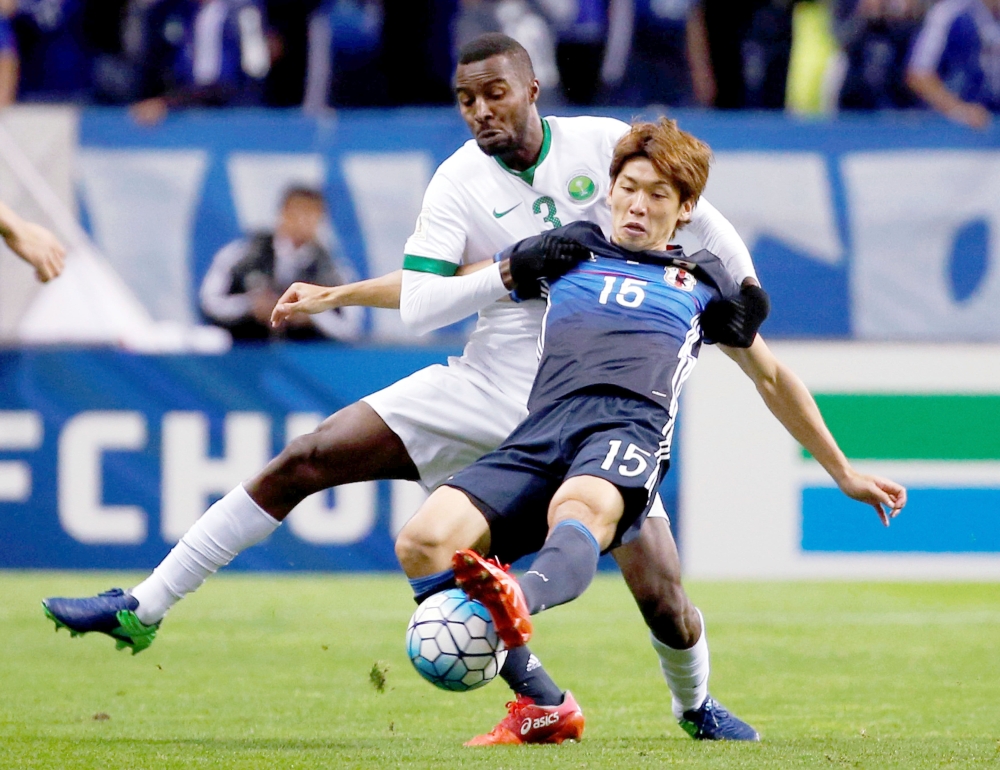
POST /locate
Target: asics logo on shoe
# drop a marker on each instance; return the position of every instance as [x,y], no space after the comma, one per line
[537,723]
[500,214]
[535,572]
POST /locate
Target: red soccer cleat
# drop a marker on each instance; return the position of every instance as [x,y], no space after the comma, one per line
[527,723]
[489,582]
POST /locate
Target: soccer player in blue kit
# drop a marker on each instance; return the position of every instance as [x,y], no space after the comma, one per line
[621,335]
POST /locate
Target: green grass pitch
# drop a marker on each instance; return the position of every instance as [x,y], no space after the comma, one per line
[276,672]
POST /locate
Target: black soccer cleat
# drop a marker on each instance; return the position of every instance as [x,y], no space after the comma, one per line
[111,613]
[711,722]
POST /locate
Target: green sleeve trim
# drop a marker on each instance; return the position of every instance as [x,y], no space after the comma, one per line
[428,265]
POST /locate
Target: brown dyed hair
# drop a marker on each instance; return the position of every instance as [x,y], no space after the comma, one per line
[678,157]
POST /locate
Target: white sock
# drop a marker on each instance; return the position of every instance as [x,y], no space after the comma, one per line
[686,672]
[232,525]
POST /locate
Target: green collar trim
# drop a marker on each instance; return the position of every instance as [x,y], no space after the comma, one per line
[528,175]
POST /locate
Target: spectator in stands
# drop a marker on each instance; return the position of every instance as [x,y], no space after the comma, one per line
[662,57]
[876,36]
[955,65]
[103,25]
[249,275]
[8,56]
[350,74]
[750,43]
[581,31]
[415,57]
[209,53]
[288,38]
[519,19]
[380,53]
[56,55]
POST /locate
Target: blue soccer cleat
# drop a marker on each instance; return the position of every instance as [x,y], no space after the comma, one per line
[711,722]
[111,613]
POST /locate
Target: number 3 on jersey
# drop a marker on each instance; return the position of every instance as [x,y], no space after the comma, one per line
[633,453]
[629,295]
[550,210]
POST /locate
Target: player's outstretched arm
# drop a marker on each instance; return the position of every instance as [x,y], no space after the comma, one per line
[790,401]
[311,299]
[32,243]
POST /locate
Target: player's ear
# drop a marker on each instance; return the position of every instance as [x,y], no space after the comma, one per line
[534,89]
[686,211]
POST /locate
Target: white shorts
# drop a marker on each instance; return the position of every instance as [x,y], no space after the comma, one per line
[447,417]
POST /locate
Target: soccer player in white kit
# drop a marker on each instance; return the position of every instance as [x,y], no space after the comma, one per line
[520,176]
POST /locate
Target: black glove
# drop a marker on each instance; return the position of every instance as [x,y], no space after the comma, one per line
[735,322]
[542,256]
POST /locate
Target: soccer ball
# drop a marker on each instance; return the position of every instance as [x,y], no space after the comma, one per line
[452,643]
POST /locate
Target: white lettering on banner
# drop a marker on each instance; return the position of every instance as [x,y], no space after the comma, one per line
[24,431]
[407,497]
[190,476]
[387,188]
[906,209]
[258,180]
[142,206]
[84,439]
[352,514]
[785,195]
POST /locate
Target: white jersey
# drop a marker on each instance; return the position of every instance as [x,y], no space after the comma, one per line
[475,207]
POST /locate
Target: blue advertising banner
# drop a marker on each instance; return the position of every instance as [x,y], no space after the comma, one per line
[870,227]
[106,458]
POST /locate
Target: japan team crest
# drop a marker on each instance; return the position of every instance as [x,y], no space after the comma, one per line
[679,278]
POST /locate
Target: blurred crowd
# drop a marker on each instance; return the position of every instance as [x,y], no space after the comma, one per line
[158,55]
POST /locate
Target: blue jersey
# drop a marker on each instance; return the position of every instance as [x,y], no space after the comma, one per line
[7,43]
[960,42]
[56,60]
[224,46]
[627,320]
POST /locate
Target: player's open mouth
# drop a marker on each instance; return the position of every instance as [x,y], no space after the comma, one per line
[634,228]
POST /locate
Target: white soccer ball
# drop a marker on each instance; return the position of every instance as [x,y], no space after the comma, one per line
[452,642]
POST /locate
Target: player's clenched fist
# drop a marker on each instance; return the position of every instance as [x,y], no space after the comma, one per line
[33,243]
[542,256]
[735,322]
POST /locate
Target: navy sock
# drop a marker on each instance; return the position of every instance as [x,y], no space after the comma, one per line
[524,673]
[425,587]
[564,567]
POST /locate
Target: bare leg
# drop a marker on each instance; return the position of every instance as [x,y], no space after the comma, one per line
[651,567]
[445,523]
[352,445]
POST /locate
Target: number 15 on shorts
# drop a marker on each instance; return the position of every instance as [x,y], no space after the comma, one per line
[632,454]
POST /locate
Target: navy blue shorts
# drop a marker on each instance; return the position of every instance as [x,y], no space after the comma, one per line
[610,434]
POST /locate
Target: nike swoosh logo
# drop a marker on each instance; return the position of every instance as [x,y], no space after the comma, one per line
[505,213]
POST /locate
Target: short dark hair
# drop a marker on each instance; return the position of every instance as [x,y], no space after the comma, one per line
[303,191]
[497,44]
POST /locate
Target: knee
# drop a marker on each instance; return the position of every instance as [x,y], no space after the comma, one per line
[594,502]
[417,548]
[299,458]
